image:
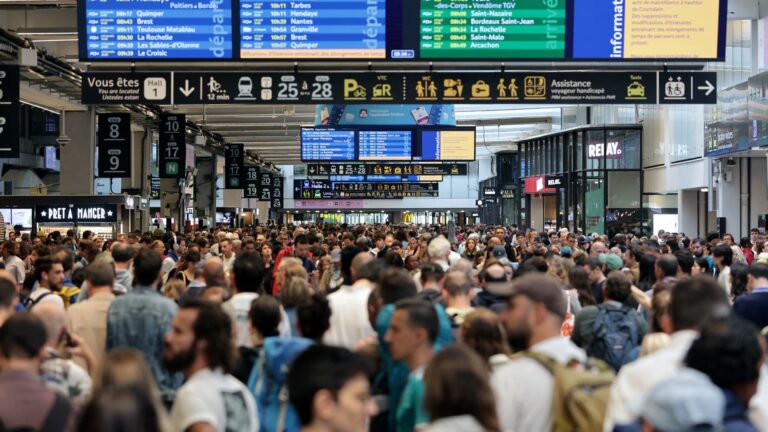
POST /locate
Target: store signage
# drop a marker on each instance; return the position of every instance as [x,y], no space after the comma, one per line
[76,213]
[114,141]
[9,111]
[609,150]
[401,88]
[251,189]
[489,191]
[554,182]
[277,193]
[537,185]
[265,186]
[445,169]
[507,193]
[234,166]
[172,150]
[154,188]
[117,88]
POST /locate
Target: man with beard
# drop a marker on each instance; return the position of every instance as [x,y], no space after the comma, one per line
[533,318]
[49,278]
[200,346]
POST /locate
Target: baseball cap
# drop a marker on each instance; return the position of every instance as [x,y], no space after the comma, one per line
[613,261]
[586,239]
[684,402]
[566,252]
[499,252]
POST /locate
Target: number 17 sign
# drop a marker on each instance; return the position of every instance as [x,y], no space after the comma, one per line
[114,142]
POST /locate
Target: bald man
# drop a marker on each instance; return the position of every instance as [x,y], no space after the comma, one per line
[60,374]
[350,323]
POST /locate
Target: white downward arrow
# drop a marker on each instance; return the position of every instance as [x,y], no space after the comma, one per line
[709,88]
[186,90]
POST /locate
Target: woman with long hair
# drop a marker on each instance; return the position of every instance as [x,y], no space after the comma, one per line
[470,250]
[451,410]
[483,332]
[577,280]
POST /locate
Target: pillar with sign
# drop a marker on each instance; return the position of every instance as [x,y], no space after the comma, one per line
[79,153]
[172,167]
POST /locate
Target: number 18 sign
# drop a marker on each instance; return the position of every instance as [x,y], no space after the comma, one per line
[114,142]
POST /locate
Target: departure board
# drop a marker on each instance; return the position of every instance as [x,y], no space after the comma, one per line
[156,29]
[385,145]
[313,29]
[327,145]
[497,29]
[447,145]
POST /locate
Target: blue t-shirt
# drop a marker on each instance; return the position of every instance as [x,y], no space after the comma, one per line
[411,413]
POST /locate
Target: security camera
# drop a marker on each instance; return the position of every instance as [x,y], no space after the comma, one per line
[63,140]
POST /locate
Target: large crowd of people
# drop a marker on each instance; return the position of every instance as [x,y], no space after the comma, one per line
[383,328]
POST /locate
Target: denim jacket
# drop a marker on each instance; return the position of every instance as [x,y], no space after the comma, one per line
[140,320]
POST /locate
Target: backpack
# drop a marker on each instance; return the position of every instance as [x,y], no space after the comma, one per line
[268,383]
[29,303]
[581,394]
[56,420]
[617,337]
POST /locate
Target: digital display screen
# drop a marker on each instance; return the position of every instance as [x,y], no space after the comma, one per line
[17,216]
[155,30]
[385,145]
[51,161]
[327,145]
[313,29]
[447,145]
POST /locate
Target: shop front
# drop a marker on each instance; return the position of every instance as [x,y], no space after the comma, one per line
[586,179]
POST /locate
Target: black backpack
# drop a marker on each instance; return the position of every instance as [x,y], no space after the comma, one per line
[617,337]
[29,303]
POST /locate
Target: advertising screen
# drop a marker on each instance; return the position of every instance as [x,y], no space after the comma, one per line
[447,145]
[327,145]
[384,145]
[313,29]
[155,30]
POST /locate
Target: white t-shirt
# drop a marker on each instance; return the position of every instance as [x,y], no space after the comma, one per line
[349,317]
[217,399]
[237,308]
[47,296]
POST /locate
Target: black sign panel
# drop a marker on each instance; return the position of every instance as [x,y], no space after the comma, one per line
[325,189]
[9,111]
[265,186]
[446,169]
[173,147]
[554,182]
[154,188]
[251,189]
[116,88]
[688,87]
[76,213]
[114,139]
[234,166]
[431,88]
[277,193]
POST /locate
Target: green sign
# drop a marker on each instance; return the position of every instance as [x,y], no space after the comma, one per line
[172,168]
[494,29]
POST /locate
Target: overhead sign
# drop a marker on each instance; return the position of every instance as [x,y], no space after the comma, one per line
[277,193]
[9,111]
[117,88]
[251,189]
[444,169]
[265,186]
[114,141]
[76,213]
[325,189]
[554,182]
[397,88]
[688,87]
[137,30]
[172,149]
[234,166]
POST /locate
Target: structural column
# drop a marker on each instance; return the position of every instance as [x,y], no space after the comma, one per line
[78,157]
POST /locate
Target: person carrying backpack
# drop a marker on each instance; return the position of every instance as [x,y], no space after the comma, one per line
[572,391]
[611,331]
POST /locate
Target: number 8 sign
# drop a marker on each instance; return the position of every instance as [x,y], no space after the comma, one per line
[114,145]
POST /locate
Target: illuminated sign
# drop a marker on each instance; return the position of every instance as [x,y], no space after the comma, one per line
[537,185]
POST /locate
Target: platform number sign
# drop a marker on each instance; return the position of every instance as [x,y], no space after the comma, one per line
[277,193]
[114,139]
[172,150]
[234,166]
[265,186]
[251,182]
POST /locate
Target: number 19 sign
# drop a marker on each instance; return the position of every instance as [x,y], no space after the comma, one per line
[114,140]
[172,151]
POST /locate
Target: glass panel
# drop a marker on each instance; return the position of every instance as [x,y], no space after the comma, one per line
[594,204]
[622,149]
[623,189]
[595,149]
[579,151]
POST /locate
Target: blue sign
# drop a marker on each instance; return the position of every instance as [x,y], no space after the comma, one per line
[352,29]
[385,115]
[155,30]
[385,145]
[327,145]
